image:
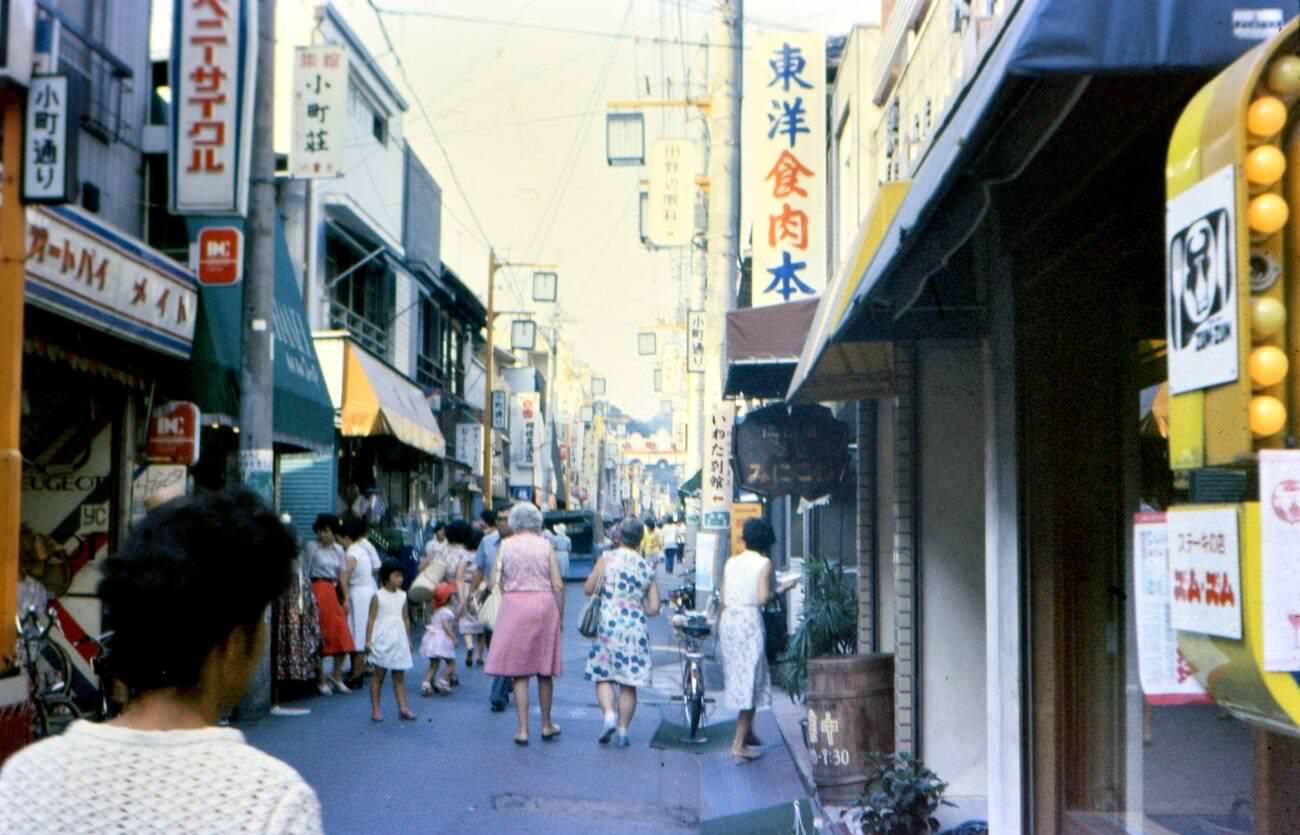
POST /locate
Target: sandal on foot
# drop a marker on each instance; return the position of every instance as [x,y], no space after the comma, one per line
[521,740]
[408,716]
[426,689]
[547,736]
[376,717]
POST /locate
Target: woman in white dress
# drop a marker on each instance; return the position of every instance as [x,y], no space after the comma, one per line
[362,566]
[746,586]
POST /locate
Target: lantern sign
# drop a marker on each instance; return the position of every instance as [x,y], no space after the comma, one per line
[213,60]
[320,116]
[52,128]
[788,136]
[791,451]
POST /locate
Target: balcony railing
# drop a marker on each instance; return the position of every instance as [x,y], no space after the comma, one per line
[97,76]
[368,335]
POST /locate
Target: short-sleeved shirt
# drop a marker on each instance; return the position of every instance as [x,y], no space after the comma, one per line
[322,562]
[486,556]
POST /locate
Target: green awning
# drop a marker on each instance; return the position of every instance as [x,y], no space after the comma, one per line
[691,486]
[303,415]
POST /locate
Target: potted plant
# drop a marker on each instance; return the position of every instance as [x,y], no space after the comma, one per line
[900,798]
[828,624]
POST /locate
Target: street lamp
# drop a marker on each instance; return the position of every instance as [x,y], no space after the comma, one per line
[546,284]
[646,345]
[625,138]
[598,386]
[523,334]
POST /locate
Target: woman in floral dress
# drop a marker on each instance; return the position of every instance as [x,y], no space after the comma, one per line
[620,653]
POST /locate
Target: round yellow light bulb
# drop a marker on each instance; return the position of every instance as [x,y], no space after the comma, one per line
[1267,316]
[1266,117]
[1267,366]
[1284,75]
[1265,165]
[1267,416]
[1266,214]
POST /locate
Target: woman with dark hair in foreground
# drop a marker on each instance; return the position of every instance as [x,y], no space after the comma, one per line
[187,597]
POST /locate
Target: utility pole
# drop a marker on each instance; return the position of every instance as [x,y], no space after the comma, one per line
[256,460]
[724,211]
[13,243]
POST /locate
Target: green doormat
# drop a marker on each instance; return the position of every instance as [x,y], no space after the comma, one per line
[673,737]
[774,820]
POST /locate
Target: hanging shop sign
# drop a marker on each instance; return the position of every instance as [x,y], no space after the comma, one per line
[716,487]
[174,434]
[469,446]
[787,135]
[695,342]
[320,116]
[672,192]
[1200,243]
[220,256]
[1279,493]
[797,450]
[85,270]
[524,418]
[1167,677]
[500,411]
[1205,567]
[213,60]
[52,126]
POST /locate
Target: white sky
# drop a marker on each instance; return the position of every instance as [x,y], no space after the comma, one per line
[521,112]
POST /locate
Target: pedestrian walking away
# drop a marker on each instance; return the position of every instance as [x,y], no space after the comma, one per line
[206,567]
[526,641]
[325,562]
[388,644]
[620,653]
[439,642]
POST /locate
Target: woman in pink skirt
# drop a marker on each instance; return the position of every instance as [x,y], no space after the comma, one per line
[526,640]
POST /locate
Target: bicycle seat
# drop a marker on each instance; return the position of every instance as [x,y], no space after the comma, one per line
[696,627]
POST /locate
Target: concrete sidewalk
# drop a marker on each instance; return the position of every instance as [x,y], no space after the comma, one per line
[456,768]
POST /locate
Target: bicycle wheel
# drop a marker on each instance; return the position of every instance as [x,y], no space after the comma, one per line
[53,715]
[694,701]
[53,669]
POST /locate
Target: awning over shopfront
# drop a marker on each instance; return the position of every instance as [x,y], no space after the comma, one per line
[763,345]
[921,229]
[374,399]
[691,486]
[303,415]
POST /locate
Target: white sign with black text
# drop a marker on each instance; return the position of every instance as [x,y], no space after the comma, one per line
[49,155]
[320,115]
[1201,266]
[1205,570]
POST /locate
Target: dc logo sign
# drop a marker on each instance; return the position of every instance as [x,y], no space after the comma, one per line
[1200,283]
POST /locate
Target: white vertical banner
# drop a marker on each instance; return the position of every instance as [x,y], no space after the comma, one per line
[1167,677]
[320,115]
[50,142]
[695,342]
[1279,511]
[523,438]
[1205,567]
[786,138]
[671,216]
[213,73]
[469,446]
[716,482]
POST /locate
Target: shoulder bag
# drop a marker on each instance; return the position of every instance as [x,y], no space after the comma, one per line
[491,606]
[589,623]
[422,586]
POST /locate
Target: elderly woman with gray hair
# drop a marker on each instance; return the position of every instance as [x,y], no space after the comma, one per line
[620,653]
[526,638]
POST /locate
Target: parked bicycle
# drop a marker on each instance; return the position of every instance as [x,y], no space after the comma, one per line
[49,674]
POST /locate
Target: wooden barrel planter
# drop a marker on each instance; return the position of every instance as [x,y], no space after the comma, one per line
[850,713]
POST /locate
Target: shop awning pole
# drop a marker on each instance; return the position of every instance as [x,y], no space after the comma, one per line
[13,235]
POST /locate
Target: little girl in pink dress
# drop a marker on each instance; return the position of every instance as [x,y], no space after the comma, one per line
[439,641]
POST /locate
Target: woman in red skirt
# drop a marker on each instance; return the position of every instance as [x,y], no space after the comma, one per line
[324,562]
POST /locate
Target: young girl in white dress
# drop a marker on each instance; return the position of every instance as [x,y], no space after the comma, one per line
[387,644]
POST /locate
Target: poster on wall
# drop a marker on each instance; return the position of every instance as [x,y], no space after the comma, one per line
[706,553]
[1205,570]
[742,512]
[1279,512]
[1167,677]
[1202,326]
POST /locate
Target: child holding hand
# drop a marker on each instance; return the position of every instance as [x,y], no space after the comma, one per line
[439,642]
[386,641]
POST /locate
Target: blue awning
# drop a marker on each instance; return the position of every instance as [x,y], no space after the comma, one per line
[1077,39]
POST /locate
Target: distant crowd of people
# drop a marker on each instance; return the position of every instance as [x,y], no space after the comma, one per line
[210,565]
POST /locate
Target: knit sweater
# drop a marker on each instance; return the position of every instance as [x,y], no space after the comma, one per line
[101,778]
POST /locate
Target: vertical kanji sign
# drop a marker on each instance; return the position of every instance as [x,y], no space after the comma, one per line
[672,193]
[787,135]
[695,342]
[49,141]
[320,89]
[716,483]
[214,60]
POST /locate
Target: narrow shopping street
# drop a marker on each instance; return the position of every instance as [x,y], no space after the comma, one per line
[457,770]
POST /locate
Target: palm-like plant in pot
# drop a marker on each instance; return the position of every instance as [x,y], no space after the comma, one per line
[901,797]
[828,624]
